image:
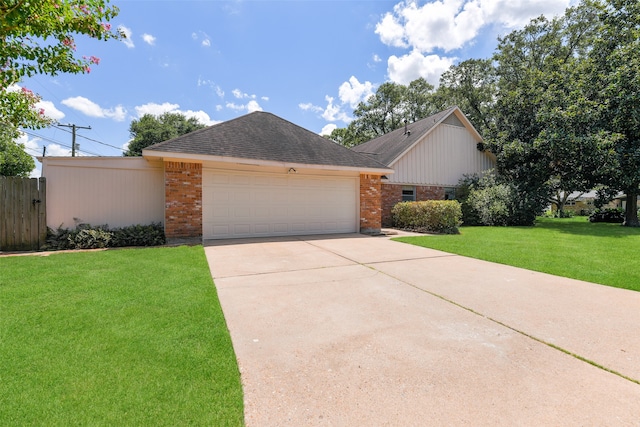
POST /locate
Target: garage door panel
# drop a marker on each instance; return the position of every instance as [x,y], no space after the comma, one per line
[249,204]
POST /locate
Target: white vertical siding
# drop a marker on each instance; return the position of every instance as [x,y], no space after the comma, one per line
[442,158]
[117,191]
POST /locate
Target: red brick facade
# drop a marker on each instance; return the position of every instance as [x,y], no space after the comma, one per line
[370,207]
[183,200]
[392,194]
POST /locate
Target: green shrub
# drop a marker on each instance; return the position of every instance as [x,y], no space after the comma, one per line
[436,216]
[139,235]
[466,186]
[492,204]
[610,215]
[90,238]
[86,236]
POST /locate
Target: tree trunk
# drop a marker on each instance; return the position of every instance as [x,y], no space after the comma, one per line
[631,211]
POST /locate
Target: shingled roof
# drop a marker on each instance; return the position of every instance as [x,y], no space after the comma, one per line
[388,147]
[267,137]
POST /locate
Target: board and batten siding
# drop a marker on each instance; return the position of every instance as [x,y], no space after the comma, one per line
[117,191]
[446,154]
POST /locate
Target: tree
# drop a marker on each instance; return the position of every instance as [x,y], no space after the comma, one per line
[471,85]
[14,161]
[37,37]
[387,110]
[545,135]
[614,69]
[150,129]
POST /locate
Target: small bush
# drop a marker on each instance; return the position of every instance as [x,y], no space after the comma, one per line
[138,235]
[94,237]
[492,204]
[611,215]
[90,238]
[436,216]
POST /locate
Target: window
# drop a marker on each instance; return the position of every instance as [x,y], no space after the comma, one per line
[408,193]
[449,193]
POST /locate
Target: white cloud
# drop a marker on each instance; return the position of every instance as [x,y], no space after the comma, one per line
[211,84]
[203,37]
[333,113]
[310,107]
[350,93]
[327,129]
[155,109]
[50,110]
[253,106]
[127,33]
[91,109]
[237,93]
[353,92]
[166,107]
[250,107]
[56,150]
[405,69]
[450,24]
[201,116]
[149,39]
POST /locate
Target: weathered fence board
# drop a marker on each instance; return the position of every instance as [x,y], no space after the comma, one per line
[23,222]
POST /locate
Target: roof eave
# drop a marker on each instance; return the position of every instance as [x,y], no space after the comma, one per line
[201,158]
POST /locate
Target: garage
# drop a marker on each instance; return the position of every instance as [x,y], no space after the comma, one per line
[259,175]
[239,204]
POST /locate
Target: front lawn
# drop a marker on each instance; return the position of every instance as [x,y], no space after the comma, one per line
[121,337]
[608,254]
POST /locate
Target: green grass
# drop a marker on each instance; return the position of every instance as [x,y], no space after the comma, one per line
[124,337]
[608,254]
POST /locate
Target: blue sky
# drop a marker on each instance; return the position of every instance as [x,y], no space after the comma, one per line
[309,62]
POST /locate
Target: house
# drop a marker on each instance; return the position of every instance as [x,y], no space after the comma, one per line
[429,157]
[257,175]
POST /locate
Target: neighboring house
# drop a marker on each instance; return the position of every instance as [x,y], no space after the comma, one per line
[257,175]
[429,158]
[580,203]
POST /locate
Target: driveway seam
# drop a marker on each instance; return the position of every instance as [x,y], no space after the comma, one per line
[518,331]
[371,265]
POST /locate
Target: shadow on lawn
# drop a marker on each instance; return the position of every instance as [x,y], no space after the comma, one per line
[586,228]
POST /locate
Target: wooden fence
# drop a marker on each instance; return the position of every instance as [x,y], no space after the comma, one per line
[23,210]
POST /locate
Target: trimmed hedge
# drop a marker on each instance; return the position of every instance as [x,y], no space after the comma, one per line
[435,216]
[94,237]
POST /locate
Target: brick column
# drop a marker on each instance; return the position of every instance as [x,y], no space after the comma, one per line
[370,204]
[182,200]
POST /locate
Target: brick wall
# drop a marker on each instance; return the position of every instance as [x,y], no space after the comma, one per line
[392,194]
[370,203]
[183,200]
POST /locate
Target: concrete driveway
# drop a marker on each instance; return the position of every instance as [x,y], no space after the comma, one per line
[353,330]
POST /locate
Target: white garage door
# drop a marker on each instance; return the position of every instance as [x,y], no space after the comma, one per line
[244,204]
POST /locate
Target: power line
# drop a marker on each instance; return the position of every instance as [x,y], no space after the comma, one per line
[58,142]
[90,139]
[73,135]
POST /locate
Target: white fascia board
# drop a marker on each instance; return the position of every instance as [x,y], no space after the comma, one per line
[201,158]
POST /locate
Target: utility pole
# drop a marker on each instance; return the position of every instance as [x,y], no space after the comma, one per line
[73,136]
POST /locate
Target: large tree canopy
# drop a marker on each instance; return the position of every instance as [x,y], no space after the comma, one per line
[543,135]
[387,110]
[150,129]
[614,69]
